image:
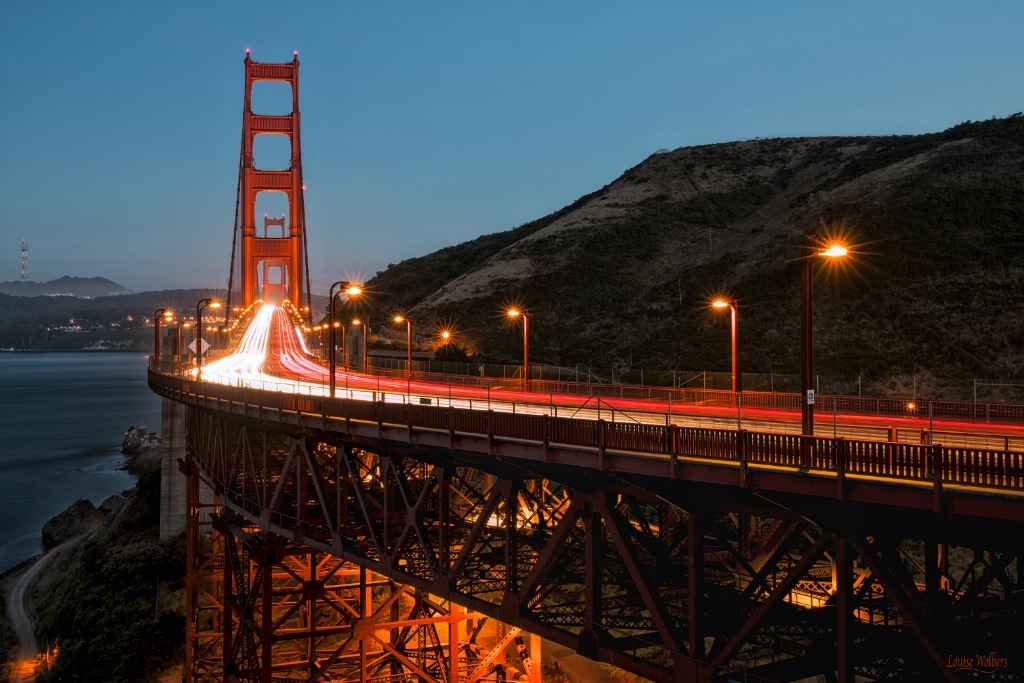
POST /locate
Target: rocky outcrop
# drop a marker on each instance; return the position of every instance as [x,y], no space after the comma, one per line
[79,518]
[111,504]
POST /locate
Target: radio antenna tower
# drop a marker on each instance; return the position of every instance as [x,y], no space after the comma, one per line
[24,260]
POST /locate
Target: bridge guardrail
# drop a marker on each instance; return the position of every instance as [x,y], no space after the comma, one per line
[966,411]
[990,469]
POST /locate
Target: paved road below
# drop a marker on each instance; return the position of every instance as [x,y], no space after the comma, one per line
[19,611]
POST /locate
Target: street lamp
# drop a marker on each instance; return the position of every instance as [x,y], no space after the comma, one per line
[722,303]
[197,332]
[812,247]
[365,322]
[408,342]
[161,313]
[515,313]
[351,290]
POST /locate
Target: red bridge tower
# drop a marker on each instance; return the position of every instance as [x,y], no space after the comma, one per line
[270,268]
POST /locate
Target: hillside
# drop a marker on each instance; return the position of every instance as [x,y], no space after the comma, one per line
[70,323]
[623,276]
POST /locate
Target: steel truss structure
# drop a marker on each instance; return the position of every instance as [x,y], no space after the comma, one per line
[264,608]
[670,579]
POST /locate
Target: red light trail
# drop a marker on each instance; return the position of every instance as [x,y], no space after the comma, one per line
[272,354]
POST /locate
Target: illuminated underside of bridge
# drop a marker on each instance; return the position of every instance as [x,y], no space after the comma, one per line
[678,553]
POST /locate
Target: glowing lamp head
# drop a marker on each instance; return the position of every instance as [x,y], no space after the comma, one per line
[357,321]
[214,304]
[169,315]
[354,290]
[446,335]
[910,405]
[399,319]
[834,251]
[719,303]
[513,312]
[337,324]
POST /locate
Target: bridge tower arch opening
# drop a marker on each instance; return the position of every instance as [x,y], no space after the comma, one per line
[273,267]
[272,274]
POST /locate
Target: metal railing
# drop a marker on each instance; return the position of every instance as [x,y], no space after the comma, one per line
[936,464]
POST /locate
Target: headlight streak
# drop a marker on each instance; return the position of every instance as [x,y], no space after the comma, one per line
[302,340]
[245,363]
[272,355]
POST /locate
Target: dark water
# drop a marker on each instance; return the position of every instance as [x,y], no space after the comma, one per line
[62,418]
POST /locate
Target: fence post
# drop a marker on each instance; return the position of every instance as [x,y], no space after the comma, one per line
[936,467]
[840,468]
[742,455]
[547,436]
[673,449]
[600,444]
[489,428]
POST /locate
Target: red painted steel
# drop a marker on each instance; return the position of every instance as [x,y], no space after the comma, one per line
[977,476]
[650,574]
[257,256]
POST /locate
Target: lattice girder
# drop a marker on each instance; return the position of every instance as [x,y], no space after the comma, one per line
[671,579]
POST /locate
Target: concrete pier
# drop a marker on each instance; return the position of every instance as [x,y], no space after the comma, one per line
[173,501]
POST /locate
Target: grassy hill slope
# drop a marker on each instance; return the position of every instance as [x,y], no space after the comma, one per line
[624,276]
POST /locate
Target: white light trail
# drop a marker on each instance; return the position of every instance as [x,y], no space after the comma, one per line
[246,362]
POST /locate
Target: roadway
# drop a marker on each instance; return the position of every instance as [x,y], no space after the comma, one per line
[19,610]
[272,355]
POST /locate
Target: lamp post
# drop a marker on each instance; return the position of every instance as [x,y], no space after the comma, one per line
[351,290]
[160,314]
[365,322]
[810,249]
[515,313]
[408,343]
[722,303]
[197,332]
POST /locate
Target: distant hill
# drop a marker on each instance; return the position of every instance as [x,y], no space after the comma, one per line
[118,321]
[624,275]
[81,287]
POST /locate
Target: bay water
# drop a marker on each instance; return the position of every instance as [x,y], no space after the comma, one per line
[62,419]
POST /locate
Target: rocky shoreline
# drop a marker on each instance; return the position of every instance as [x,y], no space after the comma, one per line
[82,517]
[91,577]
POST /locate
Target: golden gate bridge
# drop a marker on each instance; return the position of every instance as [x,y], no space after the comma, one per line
[352,524]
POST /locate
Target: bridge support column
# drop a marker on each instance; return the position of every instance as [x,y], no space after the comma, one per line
[173,500]
[842,558]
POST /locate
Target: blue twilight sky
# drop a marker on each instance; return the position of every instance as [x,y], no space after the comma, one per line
[425,124]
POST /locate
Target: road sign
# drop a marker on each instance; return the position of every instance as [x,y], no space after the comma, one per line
[203,344]
[810,397]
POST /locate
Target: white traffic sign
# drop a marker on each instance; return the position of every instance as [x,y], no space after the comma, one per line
[203,344]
